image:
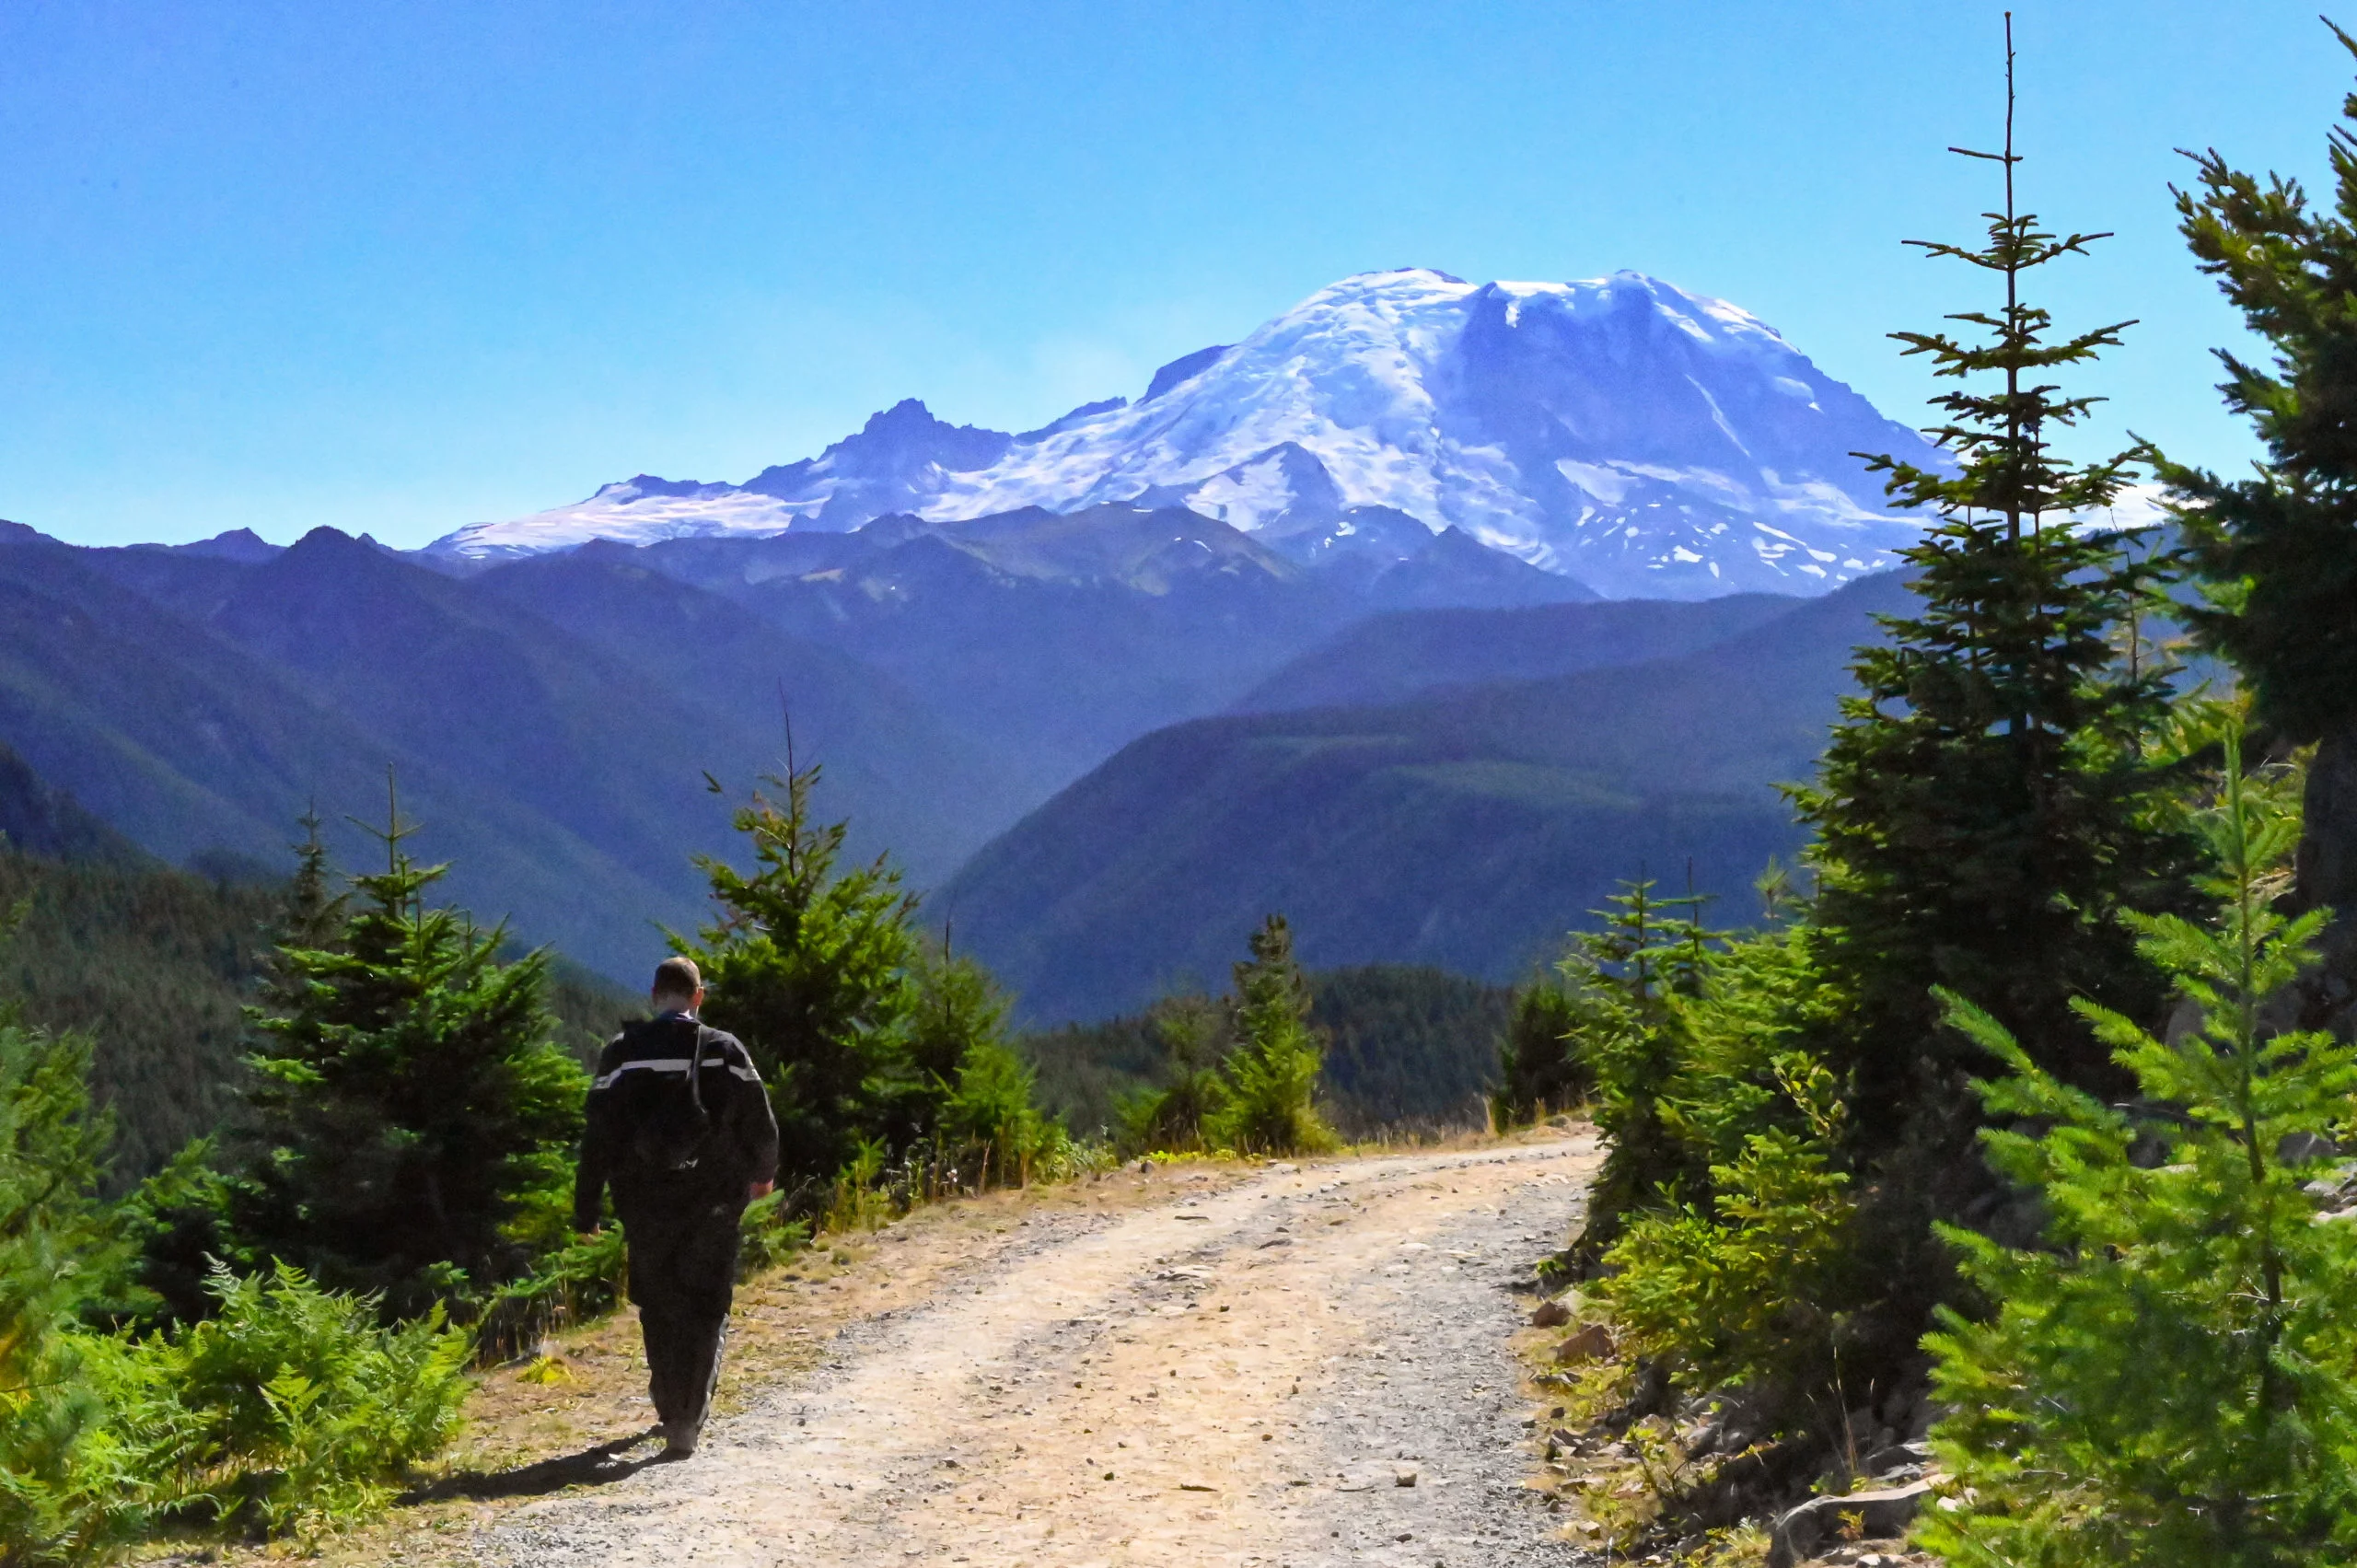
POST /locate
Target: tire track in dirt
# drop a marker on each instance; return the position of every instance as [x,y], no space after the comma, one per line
[1306,1368]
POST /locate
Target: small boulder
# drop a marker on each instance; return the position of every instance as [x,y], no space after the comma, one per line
[1591,1343]
[1898,1457]
[1883,1512]
[1404,1476]
[1550,1314]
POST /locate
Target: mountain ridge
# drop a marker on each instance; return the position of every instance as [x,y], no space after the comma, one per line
[1642,440]
[1467,826]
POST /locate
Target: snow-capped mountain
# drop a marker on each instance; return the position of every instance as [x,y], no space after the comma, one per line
[1621,431]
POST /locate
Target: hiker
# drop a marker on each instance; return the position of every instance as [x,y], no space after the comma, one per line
[680,1127]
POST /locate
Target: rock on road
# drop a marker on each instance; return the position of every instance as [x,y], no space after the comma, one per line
[1310,1367]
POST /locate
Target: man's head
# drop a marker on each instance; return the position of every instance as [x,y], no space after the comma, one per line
[679,988]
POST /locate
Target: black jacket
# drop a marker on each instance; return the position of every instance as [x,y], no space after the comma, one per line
[642,1080]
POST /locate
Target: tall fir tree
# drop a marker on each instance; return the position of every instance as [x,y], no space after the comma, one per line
[1988,803]
[2280,548]
[1269,1106]
[413,1121]
[815,968]
[2170,1375]
[312,913]
[1620,981]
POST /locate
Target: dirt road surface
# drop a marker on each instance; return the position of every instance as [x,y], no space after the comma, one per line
[1306,1368]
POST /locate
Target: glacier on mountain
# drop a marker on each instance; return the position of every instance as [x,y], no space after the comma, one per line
[1619,431]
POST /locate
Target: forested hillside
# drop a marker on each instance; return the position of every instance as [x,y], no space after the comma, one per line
[1406,1048]
[556,723]
[1467,829]
[1386,658]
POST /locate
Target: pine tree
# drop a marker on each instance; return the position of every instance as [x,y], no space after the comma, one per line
[1192,1034]
[2171,1376]
[984,1100]
[61,1496]
[1270,1078]
[313,913]
[814,968]
[414,1122]
[2280,548]
[1987,805]
[1620,981]
[1537,1072]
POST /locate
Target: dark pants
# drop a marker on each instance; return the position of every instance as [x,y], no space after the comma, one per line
[682,1274]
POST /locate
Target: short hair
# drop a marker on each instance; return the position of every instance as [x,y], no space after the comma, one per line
[676,977]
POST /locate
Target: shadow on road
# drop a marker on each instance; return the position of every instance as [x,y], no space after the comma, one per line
[599,1466]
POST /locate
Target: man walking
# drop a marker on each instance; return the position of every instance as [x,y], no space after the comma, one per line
[680,1127]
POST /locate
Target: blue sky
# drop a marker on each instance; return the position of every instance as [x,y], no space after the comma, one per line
[400,268]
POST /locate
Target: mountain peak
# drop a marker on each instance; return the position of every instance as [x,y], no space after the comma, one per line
[1619,430]
[243,546]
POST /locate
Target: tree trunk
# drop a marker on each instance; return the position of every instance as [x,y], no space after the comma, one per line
[2327,870]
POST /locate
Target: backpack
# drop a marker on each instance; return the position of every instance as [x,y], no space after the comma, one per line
[671,1129]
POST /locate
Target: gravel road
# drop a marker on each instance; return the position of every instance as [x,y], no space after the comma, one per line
[1306,1368]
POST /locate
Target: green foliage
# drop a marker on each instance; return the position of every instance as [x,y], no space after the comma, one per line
[990,1109]
[1271,1077]
[815,969]
[289,1410]
[1987,805]
[1407,1046]
[413,1123]
[1538,1070]
[1620,986]
[154,966]
[578,1282]
[2172,1377]
[767,1238]
[2282,545]
[62,1479]
[1193,1034]
[1746,1290]
[1724,1226]
[861,1199]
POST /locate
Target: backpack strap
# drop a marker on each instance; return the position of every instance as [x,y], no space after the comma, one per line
[695,1072]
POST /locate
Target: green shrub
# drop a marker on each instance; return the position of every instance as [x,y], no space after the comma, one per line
[1191,1031]
[989,1111]
[65,1496]
[767,1238]
[861,1199]
[291,1410]
[1724,1227]
[2173,1376]
[1621,985]
[574,1283]
[1746,1291]
[1270,1078]
[1539,1070]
